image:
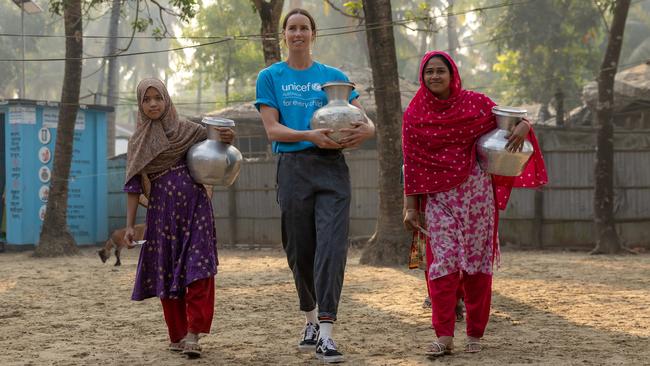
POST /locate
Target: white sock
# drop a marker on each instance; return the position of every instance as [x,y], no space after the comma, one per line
[326,330]
[311,316]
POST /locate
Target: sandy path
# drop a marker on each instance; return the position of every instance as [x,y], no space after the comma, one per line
[548,308]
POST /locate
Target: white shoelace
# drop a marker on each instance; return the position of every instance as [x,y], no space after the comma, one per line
[328,343]
[310,331]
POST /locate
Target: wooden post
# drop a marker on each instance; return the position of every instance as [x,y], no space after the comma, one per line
[232,214]
[538,221]
[559,108]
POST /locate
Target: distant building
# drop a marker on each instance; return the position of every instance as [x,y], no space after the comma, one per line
[631,101]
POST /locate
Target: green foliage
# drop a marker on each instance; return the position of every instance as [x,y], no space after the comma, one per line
[353,7]
[636,43]
[42,80]
[238,57]
[141,25]
[546,46]
[421,11]
[186,9]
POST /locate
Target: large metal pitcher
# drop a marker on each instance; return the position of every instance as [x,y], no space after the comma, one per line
[492,154]
[213,162]
[337,113]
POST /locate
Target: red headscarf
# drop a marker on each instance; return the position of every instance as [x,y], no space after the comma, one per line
[439,140]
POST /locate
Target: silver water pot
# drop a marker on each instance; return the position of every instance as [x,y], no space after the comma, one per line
[492,154]
[213,162]
[337,113]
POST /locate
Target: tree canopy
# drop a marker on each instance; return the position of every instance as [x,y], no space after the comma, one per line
[547,46]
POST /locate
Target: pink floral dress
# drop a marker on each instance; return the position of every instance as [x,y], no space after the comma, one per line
[460,223]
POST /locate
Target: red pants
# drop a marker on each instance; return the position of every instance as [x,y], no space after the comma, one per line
[477,293]
[191,313]
[429,255]
[459,292]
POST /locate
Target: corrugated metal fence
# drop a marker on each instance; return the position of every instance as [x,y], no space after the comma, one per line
[561,214]
[558,216]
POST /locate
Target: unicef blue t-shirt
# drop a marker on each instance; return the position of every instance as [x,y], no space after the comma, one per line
[296,94]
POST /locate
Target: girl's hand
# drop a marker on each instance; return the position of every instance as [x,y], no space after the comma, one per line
[320,138]
[411,219]
[517,137]
[226,134]
[129,235]
[356,135]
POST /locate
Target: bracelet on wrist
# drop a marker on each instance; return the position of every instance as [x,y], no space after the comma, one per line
[530,126]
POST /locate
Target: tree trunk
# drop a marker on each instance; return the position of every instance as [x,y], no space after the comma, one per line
[607,238]
[228,72]
[543,114]
[270,12]
[359,36]
[199,97]
[135,78]
[559,108]
[452,34]
[424,44]
[55,239]
[97,99]
[113,76]
[389,245]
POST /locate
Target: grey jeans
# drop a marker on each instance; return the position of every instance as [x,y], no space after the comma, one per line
[314,197]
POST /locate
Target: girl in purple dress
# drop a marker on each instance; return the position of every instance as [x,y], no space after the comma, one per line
[178,261]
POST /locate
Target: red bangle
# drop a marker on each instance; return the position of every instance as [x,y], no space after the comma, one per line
[530,126]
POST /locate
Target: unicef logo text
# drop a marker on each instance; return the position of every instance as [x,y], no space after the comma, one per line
[301,87]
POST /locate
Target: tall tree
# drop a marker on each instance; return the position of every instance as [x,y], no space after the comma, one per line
[388,245]
[113,74]
[353,13]
[636,48]
[234,61]
[545,46]
[607,238]
[452,34]
[270,12]
[55,239]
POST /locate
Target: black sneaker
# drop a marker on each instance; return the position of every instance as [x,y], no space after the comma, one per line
[309,337]
[326,351]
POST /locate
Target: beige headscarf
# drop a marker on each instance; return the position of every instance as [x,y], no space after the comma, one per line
[157,144]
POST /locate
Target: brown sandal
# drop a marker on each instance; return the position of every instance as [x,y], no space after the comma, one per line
[437,349]
[177,346]
[192,349]
[473,347]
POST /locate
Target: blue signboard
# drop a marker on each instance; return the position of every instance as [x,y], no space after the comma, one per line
[29,140]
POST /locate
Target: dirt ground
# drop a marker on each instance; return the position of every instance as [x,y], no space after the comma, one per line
[548,308]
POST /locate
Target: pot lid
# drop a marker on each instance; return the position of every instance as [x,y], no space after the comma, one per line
[218,121]
[509,111]
[339,83]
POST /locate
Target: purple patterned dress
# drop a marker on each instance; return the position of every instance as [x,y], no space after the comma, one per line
[180,245]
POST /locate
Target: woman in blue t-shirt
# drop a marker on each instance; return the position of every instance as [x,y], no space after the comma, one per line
[313,179]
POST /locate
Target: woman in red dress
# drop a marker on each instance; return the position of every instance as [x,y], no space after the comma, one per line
[459,200]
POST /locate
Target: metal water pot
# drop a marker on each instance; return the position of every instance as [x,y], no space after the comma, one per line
[337,113]
[492,154]
[213,162]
